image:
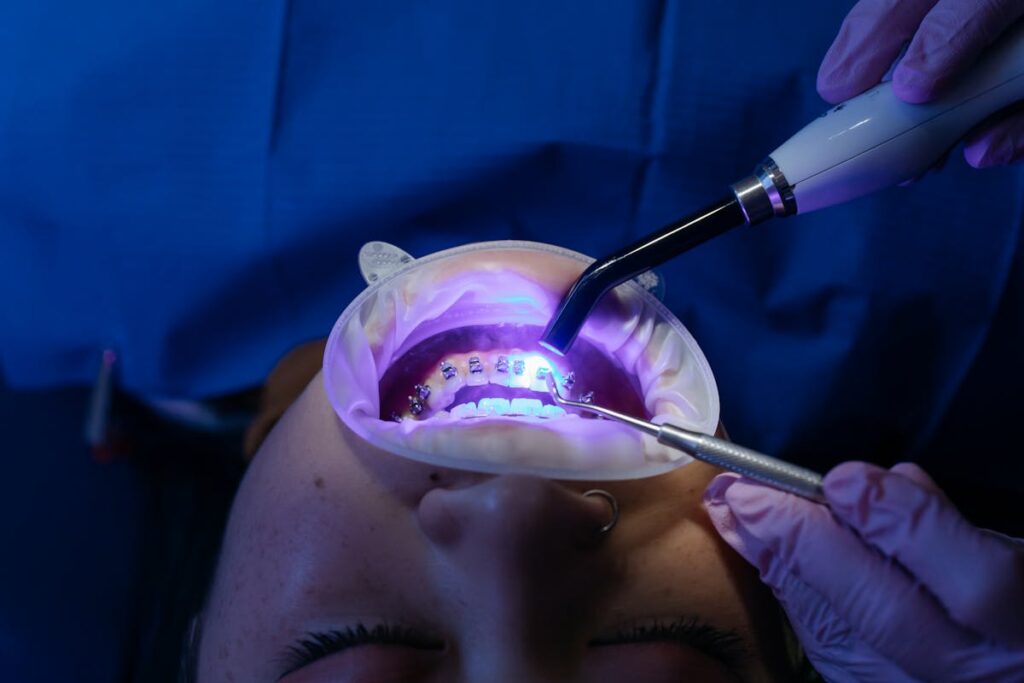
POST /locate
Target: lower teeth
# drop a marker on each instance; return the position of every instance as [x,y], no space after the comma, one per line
[501,406]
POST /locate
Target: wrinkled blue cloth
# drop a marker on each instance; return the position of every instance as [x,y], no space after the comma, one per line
[188,183]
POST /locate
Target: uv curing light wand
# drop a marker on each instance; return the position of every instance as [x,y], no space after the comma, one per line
[865,144]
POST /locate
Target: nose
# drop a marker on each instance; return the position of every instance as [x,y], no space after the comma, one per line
[527,559]
[521,510]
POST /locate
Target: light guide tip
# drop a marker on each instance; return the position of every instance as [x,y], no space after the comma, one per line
[550,347]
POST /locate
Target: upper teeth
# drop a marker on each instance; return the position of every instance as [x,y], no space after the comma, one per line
[528,371]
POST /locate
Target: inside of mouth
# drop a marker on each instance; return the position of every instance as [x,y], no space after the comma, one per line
[500,371]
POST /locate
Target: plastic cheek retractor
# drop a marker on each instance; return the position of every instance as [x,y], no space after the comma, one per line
[438,361]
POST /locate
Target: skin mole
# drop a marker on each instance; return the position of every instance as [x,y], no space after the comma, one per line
[319,482]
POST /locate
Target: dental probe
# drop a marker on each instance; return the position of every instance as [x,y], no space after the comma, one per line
[714,451]
[868,143]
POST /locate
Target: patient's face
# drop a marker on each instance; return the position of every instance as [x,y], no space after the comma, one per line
[345,563]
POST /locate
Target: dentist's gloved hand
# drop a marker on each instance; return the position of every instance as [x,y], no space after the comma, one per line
[889,582]
[945,37]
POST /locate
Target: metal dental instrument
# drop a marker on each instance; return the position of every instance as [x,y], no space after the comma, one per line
[865,144]
[714,451]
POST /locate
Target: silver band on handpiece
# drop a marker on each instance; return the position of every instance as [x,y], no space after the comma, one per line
[764,194]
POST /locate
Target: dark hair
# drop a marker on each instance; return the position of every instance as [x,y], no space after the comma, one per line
[189,475]
[799,669]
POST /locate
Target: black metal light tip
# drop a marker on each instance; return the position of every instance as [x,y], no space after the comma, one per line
[573,310]
[644,254]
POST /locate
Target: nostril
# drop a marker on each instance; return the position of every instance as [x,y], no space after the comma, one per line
[511,512]
[436,517]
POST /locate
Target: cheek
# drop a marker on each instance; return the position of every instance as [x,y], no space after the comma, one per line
[317,524]
[652,663]
[677,564]
[379,664]
[306,530]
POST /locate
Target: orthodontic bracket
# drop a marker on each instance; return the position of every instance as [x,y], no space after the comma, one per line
[448,370]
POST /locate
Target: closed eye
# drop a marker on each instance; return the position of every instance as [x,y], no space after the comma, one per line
[317,645]
[726,646]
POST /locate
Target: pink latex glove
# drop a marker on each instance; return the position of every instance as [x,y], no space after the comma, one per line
[945,37]
[890,584]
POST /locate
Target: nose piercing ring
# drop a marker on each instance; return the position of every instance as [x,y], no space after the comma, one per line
[614,504]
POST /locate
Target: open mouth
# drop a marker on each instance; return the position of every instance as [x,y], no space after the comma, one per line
[500,371]
[440,363]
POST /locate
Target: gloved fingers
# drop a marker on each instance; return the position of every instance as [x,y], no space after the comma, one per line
[914,473]
[997,142]
[977,577]
[833,647]
[949,39]
[868,42]
[786,536]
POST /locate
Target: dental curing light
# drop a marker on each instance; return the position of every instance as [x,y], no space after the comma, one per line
[865,144]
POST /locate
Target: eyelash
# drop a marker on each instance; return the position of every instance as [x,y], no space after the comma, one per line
[727,647]
[315,646]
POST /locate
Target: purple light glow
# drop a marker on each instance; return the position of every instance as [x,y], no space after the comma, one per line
[551,348]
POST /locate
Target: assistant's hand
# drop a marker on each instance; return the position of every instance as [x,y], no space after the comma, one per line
[889,582]
[945,37]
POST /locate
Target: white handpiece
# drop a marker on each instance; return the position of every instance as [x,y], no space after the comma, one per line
[876,140]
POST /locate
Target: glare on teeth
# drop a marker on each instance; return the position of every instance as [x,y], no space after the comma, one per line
[518,377]
[525,406]
[494,406]
[540,382]
[464,410]
[552,411]
[488,407]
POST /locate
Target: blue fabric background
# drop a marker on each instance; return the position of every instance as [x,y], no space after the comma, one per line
[189,182]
